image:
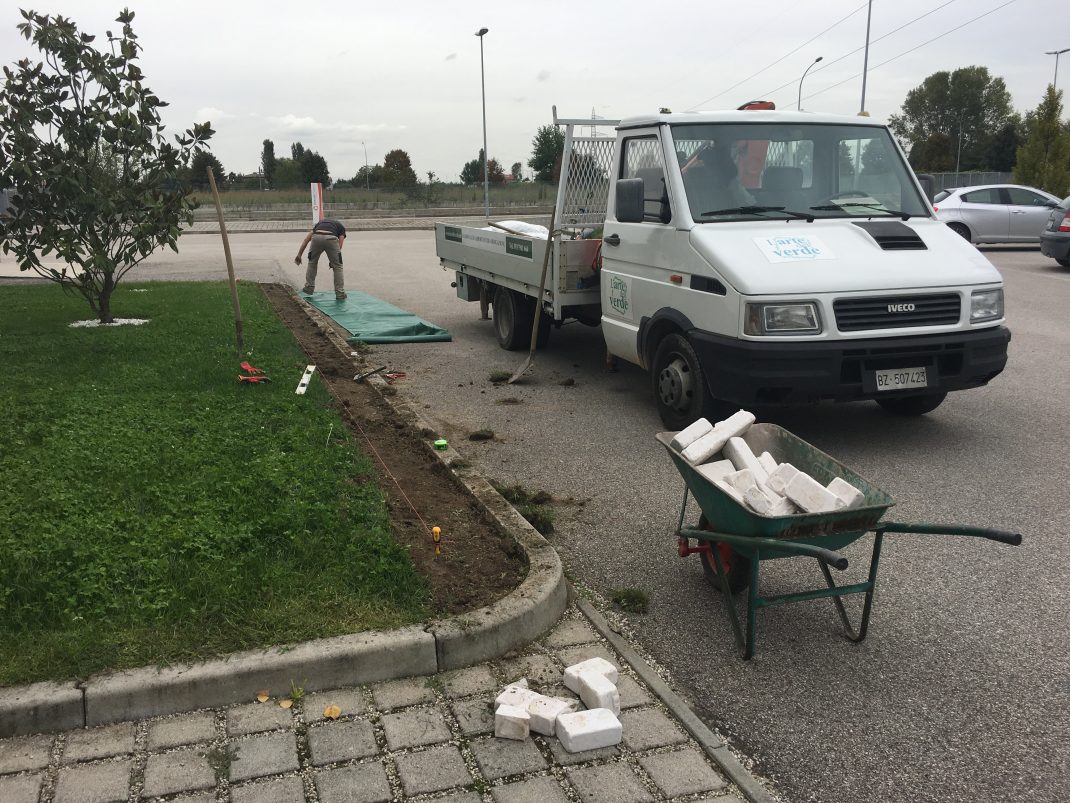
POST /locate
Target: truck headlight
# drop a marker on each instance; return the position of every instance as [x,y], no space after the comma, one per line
[782,319]
[986,305]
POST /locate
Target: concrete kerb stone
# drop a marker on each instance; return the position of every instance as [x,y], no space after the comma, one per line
[444,644]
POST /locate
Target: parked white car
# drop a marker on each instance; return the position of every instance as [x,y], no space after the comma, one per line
[995,213]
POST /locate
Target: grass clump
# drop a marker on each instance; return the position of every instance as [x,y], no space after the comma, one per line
[630,600]
[532,506]
[482,435]
[497,377]
[153,509]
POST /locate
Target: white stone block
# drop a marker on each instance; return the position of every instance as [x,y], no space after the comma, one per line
[851,496]
[588,730]
[739,452]
[728,489]
[779,479]
[598,665]
[717,470]
[516,695]
[756,499]
[768,462]
[812,496]
[689,434]
[742,480]
[738,423]
[512,722]
[545,711]
[598,691]
[712,442]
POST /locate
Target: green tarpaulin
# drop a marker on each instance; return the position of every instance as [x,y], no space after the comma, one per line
[371,320]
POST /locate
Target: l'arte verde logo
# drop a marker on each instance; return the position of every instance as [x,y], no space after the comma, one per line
[453,234]
[618,295]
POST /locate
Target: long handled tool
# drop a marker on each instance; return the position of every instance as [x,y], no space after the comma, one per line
[523,369]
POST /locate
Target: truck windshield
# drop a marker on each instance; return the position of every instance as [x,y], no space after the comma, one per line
[770,171]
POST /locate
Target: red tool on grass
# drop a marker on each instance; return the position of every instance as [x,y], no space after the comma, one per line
[255,380]
[249,369]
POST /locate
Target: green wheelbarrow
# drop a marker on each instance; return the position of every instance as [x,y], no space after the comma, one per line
[732,540]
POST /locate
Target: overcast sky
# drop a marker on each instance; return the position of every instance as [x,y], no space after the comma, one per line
[344,76]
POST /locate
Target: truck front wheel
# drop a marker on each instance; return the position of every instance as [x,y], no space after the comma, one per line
[512,319]
[679,383]
[919,404]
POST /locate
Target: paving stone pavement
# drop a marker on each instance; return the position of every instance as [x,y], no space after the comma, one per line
[422,738]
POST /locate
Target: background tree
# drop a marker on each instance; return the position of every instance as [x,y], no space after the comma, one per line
[82,147]
[268,162]
[314,168]
[397,169]
[202,160]
[297,150]
[1003,144]
[1044,159]
[288,174]
[495,173]
[517,171]
[371,177]
[967,103]
[547,147]
[472,172]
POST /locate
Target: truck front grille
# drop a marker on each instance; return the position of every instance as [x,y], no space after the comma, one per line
[891,312]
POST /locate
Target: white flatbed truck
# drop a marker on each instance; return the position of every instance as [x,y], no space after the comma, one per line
[748,258]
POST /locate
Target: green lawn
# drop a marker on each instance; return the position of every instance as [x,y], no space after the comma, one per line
[154,509]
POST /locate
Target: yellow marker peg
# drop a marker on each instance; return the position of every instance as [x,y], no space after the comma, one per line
[436,534]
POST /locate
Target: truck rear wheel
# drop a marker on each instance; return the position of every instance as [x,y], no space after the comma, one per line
[679,382]
[512,319]
[919,404]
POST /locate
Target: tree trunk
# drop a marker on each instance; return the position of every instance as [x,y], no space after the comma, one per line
[105,299]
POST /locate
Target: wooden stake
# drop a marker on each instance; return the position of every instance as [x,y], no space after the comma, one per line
[238,326]
[538,303]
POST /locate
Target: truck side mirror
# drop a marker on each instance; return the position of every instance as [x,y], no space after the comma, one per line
[629,200]
[928,185]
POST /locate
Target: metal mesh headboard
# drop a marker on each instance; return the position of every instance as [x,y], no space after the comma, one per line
[586,171]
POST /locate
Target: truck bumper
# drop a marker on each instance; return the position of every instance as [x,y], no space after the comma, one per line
[748,372]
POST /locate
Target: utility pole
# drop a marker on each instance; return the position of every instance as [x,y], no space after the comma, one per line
[865,60]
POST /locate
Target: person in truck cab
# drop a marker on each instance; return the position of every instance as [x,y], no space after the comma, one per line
[712,182]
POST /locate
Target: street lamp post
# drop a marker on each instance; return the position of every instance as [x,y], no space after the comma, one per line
[1056,53]
[367,176]
[486,164]
[798,106]
[865,59]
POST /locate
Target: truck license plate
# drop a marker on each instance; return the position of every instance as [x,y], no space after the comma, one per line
[902,379]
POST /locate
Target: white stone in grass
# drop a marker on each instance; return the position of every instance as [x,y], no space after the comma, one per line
[116,322]
[588,730]
[851,496]
[599,665]
[512,722]
[544,713]
[598,691]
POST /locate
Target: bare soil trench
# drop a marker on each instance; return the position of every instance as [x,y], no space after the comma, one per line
[477,565]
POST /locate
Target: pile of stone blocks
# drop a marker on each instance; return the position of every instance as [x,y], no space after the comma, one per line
[520,711]
[759,482]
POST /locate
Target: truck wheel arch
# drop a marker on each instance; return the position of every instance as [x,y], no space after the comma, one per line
[654,328]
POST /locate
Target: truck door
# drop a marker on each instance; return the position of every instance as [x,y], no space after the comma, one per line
[638,258]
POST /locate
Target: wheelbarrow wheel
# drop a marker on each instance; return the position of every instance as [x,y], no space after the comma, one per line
[736,565]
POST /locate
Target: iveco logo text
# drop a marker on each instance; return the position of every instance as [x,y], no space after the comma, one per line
[900,308]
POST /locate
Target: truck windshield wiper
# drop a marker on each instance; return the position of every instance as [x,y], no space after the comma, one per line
[875,207]
[758,210]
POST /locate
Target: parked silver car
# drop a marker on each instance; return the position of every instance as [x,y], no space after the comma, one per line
[996,213]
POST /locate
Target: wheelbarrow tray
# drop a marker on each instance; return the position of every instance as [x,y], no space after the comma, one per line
[729,516]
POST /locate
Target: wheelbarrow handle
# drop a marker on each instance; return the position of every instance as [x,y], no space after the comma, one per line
[1003,536]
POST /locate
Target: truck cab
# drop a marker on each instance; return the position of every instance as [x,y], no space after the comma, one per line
[765,257]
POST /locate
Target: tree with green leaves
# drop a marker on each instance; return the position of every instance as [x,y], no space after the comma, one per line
[288,174]
[547,147]
[517,171]
[1044,159]
[472,172]
[268,162]
[965,106]
[397,169]
[202,160]
[82,149]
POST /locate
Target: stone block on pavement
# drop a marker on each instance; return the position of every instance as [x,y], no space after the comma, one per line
[414,728]
[608,783]
[400,693]
[21,788]
[647,728]
[257,717]
[498,758]
[110,740]
[277,790]
[362,783]
[94,783]
[341,741]
[432,770]
[682,772]
[184,729]
[263,755]
[180,771]
[474,716]
[25,753]
[533,790]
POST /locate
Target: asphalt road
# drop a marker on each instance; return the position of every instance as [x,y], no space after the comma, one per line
[962,690]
